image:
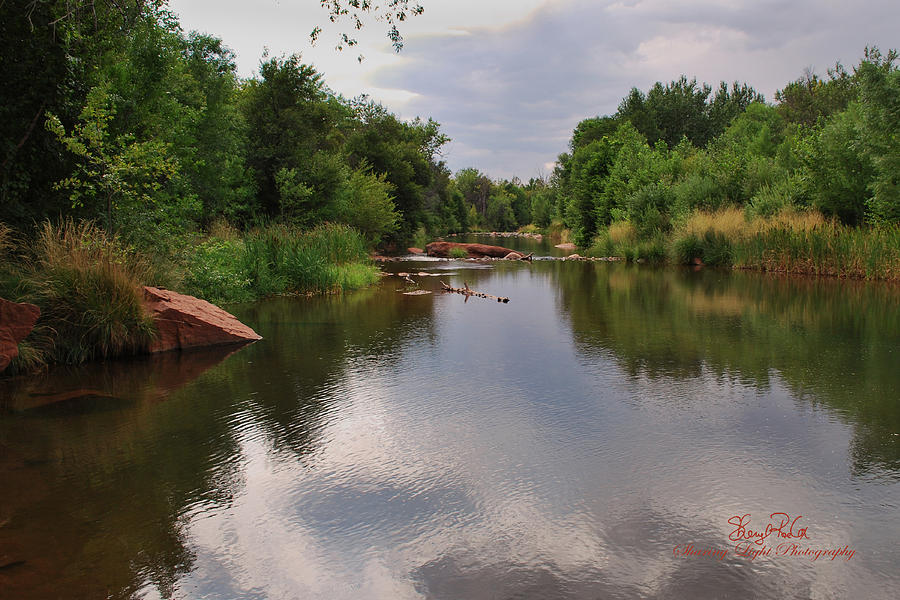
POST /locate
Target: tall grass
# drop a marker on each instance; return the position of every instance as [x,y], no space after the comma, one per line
[830,249]
[622,239]
[87,286]
[788,241]
[279,259]
[559,233]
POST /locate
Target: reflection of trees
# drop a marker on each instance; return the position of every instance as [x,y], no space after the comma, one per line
[109,478]
[833,342]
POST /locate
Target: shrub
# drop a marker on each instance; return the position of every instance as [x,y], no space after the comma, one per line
[279,259]
[458,253]
[88,287]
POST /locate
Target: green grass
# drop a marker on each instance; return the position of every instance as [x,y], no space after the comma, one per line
[458,253]
[279,260]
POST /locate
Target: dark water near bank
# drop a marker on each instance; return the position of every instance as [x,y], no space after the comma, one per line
[570,444]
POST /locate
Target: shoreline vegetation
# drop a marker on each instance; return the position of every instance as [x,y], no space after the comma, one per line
[134,154]
[88,285]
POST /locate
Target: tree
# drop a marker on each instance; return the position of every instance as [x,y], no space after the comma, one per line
[403,152]
[116,169]
[684,108]
[809,97]
[476,188]
[291,119]
[879,98]
[500,215]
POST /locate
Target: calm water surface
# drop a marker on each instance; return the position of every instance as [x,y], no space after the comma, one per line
[591,439]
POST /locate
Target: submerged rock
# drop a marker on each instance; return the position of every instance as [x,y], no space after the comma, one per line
[16,322]
[184,322]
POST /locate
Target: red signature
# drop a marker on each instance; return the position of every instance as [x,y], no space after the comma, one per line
[742,529]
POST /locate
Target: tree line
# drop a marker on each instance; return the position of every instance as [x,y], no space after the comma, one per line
[830,144]
[111,112]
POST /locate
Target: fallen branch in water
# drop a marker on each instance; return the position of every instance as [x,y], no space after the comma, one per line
[469,292]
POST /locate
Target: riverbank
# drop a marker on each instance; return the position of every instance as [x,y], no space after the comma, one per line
[787,242]
[89,286]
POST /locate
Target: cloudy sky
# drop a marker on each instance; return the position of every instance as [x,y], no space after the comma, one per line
[509,79]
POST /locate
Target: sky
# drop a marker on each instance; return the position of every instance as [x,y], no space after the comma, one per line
[508,80]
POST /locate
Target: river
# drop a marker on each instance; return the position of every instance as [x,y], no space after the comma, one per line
[614,431]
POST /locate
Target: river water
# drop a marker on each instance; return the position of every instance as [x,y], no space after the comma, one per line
[614,431]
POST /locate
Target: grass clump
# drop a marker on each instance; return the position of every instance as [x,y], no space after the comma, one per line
[88,287]
[559,233]
[623,239]
[787,241]
[827,249]
[458,253]
[279,259]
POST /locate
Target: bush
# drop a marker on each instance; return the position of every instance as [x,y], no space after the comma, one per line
[686,249]
[88,287]
[696,192]
[280,259]
[365,203]
[458,253]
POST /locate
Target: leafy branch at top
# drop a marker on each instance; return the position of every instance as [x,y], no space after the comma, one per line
[391,12]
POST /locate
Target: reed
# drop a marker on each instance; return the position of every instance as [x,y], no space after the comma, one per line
[88,287]
[280,259]
[790,241]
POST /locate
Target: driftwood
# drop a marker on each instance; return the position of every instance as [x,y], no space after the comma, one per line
[465,291]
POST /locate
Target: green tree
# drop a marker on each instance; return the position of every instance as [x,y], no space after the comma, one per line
[118,170]
[290,119]
[500,215]
[365,203]
[807,99]
[879,128]
[476,188]
[403,152]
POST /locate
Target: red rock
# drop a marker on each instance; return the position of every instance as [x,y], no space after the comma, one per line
[415,251]
[187,322]
[16,322]
[442,249]
[566,246]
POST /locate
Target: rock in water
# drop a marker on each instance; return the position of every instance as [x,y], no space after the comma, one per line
[184,322]
[16,322]
[442,250]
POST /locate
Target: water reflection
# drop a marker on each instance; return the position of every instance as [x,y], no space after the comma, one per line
[379,445]
[834,343]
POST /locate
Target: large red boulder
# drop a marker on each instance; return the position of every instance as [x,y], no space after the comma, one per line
[16,322]
[187,322]
[442,249]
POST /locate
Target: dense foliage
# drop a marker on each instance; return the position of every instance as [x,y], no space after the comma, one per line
[830,146]
[110,112]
